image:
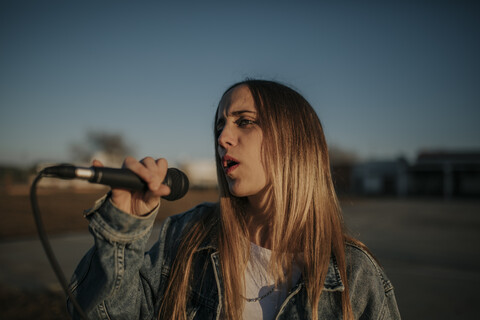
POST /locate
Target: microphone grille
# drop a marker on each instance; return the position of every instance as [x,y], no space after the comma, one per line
[178,183]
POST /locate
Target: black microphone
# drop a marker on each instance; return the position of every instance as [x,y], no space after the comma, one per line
[121,178]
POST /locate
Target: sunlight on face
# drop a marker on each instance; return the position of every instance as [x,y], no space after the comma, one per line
[240,143]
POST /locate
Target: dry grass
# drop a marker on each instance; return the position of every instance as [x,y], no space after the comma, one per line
[62,212]
[26,305]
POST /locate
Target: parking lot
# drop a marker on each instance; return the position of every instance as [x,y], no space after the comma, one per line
[428,247]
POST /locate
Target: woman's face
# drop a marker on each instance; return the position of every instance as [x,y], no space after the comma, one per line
[240,142]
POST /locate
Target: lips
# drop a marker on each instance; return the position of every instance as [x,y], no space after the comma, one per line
[229,164]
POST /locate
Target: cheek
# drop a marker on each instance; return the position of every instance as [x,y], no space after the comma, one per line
[257,149]
[261,163]
[258,176]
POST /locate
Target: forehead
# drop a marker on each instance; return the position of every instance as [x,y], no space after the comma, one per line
[237,99]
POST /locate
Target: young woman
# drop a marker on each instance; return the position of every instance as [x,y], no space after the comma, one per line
[274,247]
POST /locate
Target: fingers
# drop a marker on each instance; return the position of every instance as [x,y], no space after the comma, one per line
[97,163]
[162,164]
[140,202]
[157,170]
[151,171]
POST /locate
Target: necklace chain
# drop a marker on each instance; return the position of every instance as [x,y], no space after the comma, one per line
[259,298]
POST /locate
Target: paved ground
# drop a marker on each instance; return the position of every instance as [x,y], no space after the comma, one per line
[429,249]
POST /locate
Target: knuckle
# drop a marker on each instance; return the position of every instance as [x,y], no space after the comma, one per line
[129,161]
[149,159]
[162,161]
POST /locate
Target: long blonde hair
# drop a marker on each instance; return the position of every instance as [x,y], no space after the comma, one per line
[307,217]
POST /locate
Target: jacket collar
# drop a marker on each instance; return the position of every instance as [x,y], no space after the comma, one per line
[333,281]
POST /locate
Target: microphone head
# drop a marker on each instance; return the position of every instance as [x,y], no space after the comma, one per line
[178,183]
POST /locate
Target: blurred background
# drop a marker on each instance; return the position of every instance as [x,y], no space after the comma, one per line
[395,84]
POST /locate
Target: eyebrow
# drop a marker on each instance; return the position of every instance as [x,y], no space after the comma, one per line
[240,112]
[235,114]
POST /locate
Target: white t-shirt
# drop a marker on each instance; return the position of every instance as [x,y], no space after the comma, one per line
[259,283]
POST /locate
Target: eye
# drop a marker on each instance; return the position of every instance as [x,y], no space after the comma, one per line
[243,122]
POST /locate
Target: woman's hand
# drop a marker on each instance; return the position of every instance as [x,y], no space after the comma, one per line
[141,202]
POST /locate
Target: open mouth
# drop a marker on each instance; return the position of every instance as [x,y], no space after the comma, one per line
[229,164]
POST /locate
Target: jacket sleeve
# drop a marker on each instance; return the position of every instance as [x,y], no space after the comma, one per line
[116,279]
[370,290]
[390,308]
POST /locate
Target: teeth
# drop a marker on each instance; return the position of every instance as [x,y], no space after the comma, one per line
[227,163]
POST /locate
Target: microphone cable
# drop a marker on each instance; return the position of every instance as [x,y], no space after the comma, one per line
[47,247]
[175,179]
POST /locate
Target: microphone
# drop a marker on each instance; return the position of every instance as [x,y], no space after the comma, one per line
[121,178]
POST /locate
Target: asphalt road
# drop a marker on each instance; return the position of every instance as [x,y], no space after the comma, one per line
[429,249]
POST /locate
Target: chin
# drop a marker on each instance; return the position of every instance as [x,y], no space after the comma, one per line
[237,191]
[242,192]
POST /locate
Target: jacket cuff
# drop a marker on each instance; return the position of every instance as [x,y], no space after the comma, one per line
[117,225]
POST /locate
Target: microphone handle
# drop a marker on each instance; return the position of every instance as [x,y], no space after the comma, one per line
[119,178]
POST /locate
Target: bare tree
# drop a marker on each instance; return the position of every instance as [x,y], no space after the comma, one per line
[108,147]
[340,156]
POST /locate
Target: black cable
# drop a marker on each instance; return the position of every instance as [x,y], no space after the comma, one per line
[48,249]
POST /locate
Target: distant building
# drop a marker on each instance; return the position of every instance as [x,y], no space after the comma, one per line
[380,178]
[447,174]
[441,174]
[201,173]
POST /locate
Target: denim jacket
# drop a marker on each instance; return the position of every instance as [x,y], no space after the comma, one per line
[116,279]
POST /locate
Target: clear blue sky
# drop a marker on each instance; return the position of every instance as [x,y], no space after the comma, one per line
[387,78]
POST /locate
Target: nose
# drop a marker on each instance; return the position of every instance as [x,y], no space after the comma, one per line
[227,138]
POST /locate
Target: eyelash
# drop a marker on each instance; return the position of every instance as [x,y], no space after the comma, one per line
[242,122]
